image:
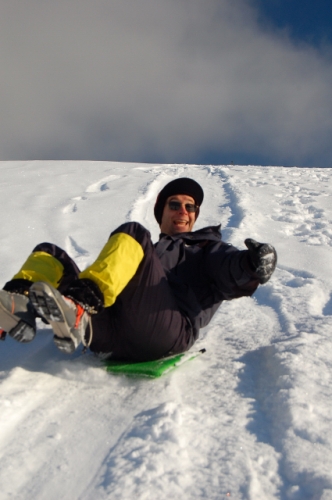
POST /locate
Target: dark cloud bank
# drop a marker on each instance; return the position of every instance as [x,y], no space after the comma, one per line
[159,81]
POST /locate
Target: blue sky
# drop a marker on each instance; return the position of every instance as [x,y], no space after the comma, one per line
[182,81]
[308,21]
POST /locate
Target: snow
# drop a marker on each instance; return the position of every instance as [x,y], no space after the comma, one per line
[249,419]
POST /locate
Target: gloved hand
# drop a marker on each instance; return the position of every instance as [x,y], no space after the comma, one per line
[263,258]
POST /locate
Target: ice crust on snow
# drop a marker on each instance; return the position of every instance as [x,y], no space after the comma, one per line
[251,419]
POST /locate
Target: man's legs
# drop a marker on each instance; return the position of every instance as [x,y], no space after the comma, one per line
[137,316]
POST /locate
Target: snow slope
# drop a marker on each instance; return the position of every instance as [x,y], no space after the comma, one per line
[250,419]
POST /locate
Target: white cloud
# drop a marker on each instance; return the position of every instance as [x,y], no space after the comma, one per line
[159,81]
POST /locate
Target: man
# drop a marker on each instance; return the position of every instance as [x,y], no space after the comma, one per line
[137,301]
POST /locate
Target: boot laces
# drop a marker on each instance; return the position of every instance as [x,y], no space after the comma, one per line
[80,311]
[79,315]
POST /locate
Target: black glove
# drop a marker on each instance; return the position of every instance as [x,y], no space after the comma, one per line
[263,259]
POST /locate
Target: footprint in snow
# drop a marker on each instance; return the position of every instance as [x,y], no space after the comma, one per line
[74,249]
[102,184]
[72,207]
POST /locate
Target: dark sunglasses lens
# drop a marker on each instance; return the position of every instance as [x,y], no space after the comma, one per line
[190,207]
[176,205]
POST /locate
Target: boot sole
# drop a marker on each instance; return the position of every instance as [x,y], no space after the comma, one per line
[22,332]
[17,328]
[47,305]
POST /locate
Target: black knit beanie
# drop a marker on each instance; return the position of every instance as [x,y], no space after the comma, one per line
[183,185]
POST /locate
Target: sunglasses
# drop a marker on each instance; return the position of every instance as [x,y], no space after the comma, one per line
[176,205]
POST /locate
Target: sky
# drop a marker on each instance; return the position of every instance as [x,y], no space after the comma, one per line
[305,21]
[199,81]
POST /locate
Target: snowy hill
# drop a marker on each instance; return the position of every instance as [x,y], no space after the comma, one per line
[251,419]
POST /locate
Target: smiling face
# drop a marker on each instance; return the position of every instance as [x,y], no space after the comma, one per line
[177,221]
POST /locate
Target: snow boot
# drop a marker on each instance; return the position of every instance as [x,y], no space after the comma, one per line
[17,316]
[68,319]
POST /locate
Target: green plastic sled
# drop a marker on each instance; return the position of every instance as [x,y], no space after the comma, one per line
[152,369]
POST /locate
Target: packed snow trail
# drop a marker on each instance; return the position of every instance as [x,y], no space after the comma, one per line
[250,419]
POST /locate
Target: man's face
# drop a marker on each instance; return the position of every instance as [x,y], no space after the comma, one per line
[177,221]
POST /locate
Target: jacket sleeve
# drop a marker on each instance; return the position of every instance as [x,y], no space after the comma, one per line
[229,271]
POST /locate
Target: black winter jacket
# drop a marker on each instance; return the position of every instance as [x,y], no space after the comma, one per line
[202,271]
